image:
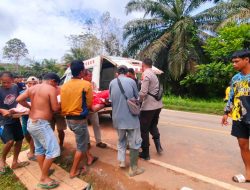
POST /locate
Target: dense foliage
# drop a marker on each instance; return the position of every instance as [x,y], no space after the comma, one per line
[210,80]
[229,39]
[36,68]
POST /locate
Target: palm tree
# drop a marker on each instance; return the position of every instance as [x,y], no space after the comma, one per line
[231,11]
[74,54]
[169,33]
[50,65]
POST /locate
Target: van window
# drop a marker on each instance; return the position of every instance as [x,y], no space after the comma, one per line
[108,71]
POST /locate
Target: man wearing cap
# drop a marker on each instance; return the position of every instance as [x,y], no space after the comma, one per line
[127,125]
[31,81]
[43,103]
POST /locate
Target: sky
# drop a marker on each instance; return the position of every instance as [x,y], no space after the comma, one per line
[43,24]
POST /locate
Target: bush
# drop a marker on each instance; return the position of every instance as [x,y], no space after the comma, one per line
[209,80]
[231,38]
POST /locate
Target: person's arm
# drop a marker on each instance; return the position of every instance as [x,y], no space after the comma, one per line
[227,109]
[144,88]
[21,99]
[135,89]
[55,106]
[110,84]
[89,96]
[5,112]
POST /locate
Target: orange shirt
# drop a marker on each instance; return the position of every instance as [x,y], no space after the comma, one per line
[76,97]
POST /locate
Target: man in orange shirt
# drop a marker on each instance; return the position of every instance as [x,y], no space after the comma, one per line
[76,100]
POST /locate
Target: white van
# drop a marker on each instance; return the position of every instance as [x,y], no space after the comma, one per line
[104,69]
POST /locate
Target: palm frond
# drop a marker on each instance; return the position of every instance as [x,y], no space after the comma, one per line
[204,35]
[136,26]
[193,5]
[179,52]
[243,16]
[211,27]
[222,11]
[151,7]
[154,48]
[139,42]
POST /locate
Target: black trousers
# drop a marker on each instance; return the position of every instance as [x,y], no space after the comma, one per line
[149,121]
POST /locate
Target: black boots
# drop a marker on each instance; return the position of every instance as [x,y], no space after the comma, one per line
[144,154]
[145,151]
[158,145]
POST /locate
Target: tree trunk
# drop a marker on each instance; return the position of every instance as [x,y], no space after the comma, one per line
[17,65]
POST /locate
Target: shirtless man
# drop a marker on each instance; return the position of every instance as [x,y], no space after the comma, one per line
[43,104]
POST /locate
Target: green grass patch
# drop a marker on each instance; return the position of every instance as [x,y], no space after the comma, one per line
[9,181]
[212,106]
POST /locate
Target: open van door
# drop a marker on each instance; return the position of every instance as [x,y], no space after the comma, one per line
[104,69]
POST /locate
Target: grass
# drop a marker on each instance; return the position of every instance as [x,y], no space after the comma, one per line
[9,181]
[212,106]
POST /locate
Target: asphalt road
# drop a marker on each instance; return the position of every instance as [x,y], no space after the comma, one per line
[195,142]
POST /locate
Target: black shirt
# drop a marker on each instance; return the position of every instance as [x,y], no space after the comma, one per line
[8,101]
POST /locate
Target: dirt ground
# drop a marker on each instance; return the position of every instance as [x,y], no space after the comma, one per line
[103,176]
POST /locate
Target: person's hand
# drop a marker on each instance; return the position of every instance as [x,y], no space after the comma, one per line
[224,120]
[12,111]
[107,102]
[6,113]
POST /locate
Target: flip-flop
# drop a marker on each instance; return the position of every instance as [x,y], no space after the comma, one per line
[93,161]
[82,171]
[50,185]
[239,178]
[20,165]
[32,158]
[3,170]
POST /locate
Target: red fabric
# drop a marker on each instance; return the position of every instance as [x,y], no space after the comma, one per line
[99,97]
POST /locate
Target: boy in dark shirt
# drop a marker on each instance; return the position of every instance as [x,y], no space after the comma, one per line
[12,131]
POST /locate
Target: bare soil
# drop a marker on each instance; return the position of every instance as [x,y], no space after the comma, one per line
[103,176]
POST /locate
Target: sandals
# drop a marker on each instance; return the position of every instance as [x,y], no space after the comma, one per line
[82,171]
[239,178]
[3,170]
[50,185]
[101,145]
[93,161]
[32,158]
[20,165]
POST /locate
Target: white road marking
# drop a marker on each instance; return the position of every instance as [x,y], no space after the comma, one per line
[200,177]
[188,173]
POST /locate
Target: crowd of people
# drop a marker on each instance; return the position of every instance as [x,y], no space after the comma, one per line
[77,101]
[71,105]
